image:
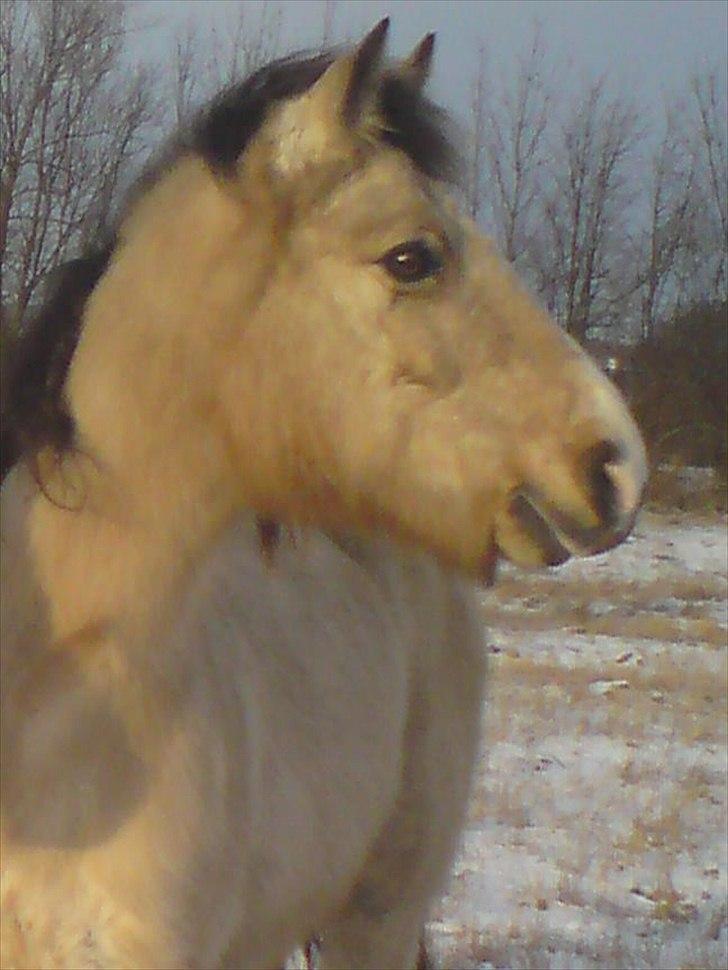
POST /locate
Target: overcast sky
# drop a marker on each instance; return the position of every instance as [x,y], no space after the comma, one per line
[648,47]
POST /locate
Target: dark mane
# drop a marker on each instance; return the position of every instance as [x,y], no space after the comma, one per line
[419,128]
[34,411]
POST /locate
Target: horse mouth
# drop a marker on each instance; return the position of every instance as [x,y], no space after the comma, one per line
[540,526]
[544,545]
[555,534]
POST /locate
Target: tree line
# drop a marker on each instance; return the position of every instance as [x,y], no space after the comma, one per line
[617,218]
[616,215]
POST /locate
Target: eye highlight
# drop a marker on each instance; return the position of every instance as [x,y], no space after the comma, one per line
[412,261]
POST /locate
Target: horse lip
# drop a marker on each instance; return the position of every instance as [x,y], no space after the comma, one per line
[540,528]
[559,535]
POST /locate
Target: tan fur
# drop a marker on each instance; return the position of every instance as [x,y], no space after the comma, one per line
[210,753]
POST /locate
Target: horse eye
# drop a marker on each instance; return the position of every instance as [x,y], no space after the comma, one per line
[412,262]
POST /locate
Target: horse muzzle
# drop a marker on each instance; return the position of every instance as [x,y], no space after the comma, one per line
[539,528]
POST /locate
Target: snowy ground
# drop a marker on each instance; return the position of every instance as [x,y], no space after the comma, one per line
[596,835]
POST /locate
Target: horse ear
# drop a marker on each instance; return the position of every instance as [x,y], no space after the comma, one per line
[418,66]
[310,126]
[346,83]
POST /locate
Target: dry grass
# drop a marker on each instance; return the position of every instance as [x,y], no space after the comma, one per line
[609,608]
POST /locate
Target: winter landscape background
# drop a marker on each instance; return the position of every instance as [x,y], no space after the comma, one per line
[596,834]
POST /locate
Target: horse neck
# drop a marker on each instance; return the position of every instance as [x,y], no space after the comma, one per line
[113,559]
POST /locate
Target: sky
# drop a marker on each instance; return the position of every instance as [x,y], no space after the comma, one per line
[649,48]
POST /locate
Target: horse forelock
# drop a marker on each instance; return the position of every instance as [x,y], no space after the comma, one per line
[403,117]
[224,127]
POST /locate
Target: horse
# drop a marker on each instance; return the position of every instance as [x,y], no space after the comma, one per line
[265,440]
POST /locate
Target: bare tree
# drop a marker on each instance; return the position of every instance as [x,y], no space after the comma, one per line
[508,123]
[683,258]
[665,238]
[203,63]
[585,209]
[478,111]
[327,33]
[72,116]
[608,237]
[711,151]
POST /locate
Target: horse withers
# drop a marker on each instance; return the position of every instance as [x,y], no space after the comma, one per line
[262,441]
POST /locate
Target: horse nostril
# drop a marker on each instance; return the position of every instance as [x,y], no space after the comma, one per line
[602,462]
